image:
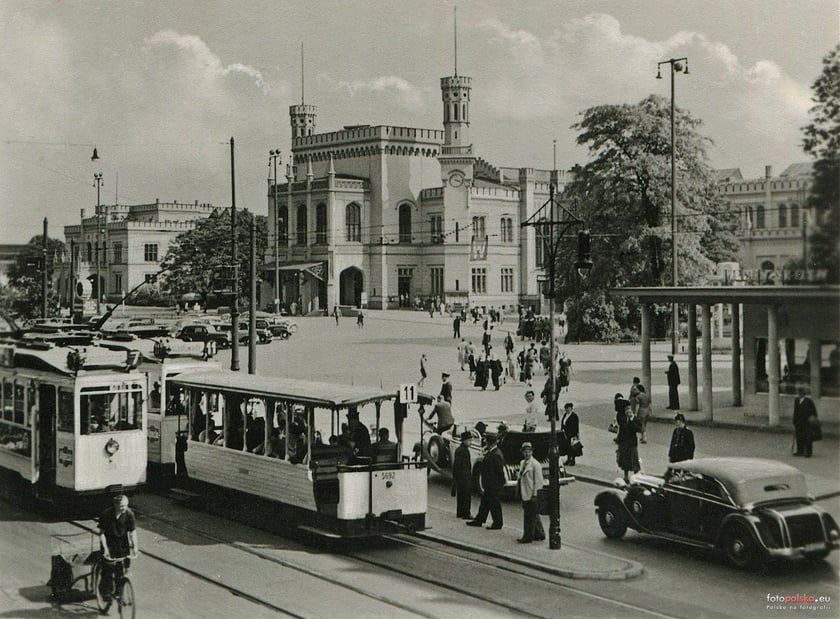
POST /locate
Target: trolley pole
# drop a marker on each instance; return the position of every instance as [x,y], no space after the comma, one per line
[552,231]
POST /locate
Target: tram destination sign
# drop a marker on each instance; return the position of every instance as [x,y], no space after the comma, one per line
[408,393]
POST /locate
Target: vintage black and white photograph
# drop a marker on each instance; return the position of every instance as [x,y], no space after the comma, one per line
[431,308]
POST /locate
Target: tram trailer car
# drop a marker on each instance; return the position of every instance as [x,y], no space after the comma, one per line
[282,441]
[162,359]
[73,422]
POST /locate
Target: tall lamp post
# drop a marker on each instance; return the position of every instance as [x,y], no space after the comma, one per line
[677,65]
[273,155]
[97,179]
[553,231]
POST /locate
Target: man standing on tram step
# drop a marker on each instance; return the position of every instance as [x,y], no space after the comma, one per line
[462,477]
[118,539]
[456,327]
[492,482]
[673,374]
[446,387]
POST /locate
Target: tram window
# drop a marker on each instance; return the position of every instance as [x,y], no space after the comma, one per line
[8,398]
[215,415]
[233,435]
[110,412]
[20,404]
[65,410]
[14,439]
[297,437]
[255,428]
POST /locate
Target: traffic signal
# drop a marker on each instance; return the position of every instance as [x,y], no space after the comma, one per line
[584,259]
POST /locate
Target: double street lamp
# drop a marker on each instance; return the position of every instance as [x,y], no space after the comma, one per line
[273,155]
[97,179]
[677,65]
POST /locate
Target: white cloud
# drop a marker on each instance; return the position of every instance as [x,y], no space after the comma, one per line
[404,92]
[202,59]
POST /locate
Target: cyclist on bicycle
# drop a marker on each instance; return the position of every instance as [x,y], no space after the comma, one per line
[118,537]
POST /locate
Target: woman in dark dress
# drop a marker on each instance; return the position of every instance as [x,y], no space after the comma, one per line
[627,454]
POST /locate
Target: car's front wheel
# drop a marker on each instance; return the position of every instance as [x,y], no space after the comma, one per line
[437,450]
[612,519]
[739,546]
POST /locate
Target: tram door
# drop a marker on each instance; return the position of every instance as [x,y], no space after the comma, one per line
[46,434]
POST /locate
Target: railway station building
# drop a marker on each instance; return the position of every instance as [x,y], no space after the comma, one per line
[383,217]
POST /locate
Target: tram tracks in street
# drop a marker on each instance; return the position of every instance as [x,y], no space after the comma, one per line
[527,590]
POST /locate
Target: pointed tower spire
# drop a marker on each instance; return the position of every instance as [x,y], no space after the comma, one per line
[455,91]
[302,117]
[331,171]
[309,173]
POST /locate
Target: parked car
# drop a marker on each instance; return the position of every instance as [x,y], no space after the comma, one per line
[263,333]
[204,333]
[439,451]
[751,509]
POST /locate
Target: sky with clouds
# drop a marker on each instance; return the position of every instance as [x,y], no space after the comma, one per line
[159,87]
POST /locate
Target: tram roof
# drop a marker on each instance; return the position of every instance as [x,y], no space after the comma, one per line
[57,359]
[326,395]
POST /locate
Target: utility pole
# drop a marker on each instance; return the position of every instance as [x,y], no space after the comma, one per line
[44,271]
[234,309]
[97,178]
[252,316]
[552,239]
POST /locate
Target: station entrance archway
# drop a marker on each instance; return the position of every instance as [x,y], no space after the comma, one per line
[351,283]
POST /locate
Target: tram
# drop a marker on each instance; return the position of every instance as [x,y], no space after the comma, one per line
[162,359]
[286,441]
[73,421]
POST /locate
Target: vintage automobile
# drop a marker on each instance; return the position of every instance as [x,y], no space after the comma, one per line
[439,451]
[751,509]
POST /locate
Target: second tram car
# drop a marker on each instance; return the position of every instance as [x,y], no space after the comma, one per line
[162,359]
[306,447]
[73,421]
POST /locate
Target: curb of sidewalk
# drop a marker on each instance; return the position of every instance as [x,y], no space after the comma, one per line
[629,569]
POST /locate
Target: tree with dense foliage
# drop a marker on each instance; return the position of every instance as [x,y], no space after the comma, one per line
[822,141]
[623,195]
[23,295]
[198,261]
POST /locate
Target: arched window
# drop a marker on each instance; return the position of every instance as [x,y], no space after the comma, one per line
[405,223]
[283,225]
[301,225]
[759,216]
[542,237]
[321,224]
[782,216]
[90,252]
[767,265]
[353,222]
[794,216]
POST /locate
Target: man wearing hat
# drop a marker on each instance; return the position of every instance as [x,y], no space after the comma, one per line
[446,387]
[492,482]
[673,374]
[462,477]
[154,397]
[443,412]
[570,426]
[682,441]
[530,481]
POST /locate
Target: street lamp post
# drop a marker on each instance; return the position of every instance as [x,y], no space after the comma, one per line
[97,179]
[274,155]
[583,264]
[234,305]
[676,66]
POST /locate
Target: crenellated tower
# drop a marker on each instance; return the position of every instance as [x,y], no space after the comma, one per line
[302,118]
[455,91]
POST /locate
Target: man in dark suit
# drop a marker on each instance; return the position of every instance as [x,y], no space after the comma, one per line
[570,426]
[446,387]
[492,481]
[462,476]
[803,412]
[673,382]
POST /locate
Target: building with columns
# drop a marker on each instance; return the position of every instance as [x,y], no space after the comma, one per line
[782,337]
[381,216]
[127,242]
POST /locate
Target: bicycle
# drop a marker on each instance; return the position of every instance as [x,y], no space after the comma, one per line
[123,589]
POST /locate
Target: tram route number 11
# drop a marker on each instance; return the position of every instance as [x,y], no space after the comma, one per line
[408,393]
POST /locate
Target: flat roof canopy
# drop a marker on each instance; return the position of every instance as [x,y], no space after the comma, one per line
[758,295]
